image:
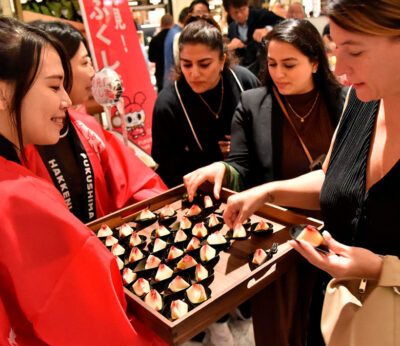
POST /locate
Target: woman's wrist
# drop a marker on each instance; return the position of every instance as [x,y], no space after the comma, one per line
[377,267]
[268,193]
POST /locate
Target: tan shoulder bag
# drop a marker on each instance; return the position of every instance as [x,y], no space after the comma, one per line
[361,313]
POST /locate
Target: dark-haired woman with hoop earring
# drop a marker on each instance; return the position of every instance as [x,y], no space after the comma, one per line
[59,285]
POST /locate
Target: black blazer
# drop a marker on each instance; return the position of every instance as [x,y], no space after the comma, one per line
[256,142]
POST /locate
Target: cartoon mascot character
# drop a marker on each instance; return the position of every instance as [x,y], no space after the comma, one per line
[134,116]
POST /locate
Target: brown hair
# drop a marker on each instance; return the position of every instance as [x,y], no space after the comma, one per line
[372,17]
[202,30]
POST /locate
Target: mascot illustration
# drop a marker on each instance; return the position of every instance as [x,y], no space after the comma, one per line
[134,116]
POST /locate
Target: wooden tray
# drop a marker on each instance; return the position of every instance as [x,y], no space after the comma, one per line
[235,280]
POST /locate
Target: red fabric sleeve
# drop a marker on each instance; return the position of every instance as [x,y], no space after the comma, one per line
[128,178]
[58,283]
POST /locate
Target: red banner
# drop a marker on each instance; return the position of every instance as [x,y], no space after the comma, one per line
[114,43]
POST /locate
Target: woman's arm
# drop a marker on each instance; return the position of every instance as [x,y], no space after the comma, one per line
[301,192]
[68,285]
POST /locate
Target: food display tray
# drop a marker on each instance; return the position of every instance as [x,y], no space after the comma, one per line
[235,279]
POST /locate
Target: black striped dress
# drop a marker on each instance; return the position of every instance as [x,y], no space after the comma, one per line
[354,216]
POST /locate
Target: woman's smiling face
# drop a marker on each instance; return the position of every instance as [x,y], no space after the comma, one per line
[43,107]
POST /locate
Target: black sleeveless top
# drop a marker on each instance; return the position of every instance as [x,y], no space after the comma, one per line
[352,215]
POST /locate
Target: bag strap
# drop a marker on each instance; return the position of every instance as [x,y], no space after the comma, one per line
[237,80]
[294,128]
[187,116]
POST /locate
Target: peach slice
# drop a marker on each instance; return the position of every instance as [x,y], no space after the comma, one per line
[180,236]
[152,262]
[117,250]
[213,220]
[154,300]
[216,238]
[207,253]
[135,255]
[146,214]
[178,284]
[201,273]
[199,230]
[261,226]
[239,232]
[208,203]
[186,262]
[141,287]
[163,272]
[193,211]
[196,293]
[128,276]
[193,244]
[174,253]
[185,223]
[311,235]
[125,231]
[167,211]
[135,240]
[159,244]
[110,241]
[178,309]
[259,256]
[161,231]
[104,231]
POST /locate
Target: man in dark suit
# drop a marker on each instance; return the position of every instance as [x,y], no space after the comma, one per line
[156,48]
[247,29]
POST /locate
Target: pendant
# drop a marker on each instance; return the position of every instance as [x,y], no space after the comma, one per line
[302,120]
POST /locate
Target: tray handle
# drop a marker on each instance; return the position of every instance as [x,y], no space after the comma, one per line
[254,282]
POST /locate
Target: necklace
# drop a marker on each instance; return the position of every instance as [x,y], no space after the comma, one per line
[222,99]
[65,133]
[304,117]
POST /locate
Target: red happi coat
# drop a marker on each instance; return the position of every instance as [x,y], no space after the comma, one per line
[59,285]
[121,178]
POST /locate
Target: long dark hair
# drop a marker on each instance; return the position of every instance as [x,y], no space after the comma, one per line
[21,48]
[70,37]
[306,38]
[202,30]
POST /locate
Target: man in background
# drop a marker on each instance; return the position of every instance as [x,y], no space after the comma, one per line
[168,46]
[156,48]
[247,29]
[199,7]
[296,10]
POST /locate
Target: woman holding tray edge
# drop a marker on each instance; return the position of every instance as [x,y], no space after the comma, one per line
[358,187]
[59,285]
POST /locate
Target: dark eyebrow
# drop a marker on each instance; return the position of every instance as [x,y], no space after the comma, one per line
[287,59]
[55,76]
[202,60]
